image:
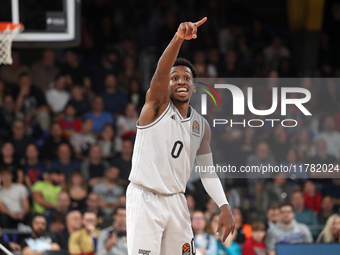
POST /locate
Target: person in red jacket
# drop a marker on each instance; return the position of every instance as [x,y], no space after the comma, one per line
[312,198]
[69,122]
[255,245]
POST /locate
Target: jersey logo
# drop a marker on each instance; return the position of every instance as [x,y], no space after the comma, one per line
[172,116]
[195,127]
[186,249]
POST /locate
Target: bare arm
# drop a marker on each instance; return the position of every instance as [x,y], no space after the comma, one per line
[157,96]
[38,198]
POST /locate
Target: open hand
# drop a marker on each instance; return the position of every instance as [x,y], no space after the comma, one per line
[226,222]
[188,30]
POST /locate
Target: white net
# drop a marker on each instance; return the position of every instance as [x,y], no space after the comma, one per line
[6,39]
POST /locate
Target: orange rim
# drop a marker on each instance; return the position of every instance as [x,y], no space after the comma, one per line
[12,26]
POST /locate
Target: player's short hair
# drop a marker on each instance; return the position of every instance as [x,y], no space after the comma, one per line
[187,63]
[258,226]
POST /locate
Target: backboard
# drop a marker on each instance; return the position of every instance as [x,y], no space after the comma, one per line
[47,23]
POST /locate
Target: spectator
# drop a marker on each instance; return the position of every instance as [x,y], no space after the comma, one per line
[327,209]
[98,116]
[45,193]
[112,240]
[93,205]
[136,95]
[62,207]
[95,167]
[127,123]
[38,241]
[69,123]
[321,154]
[11,73]
[30,101]
[57,224]
[57,96]
[211,209]
[273,215]
[73,223]
[332,189]
[243,229]
[7,115]
[65,163]
[109,190]
[302,214]
[44,71]
[124,161]
[34,168]
[19,139]
[8,160]
[114,99]
[297,173]
[311,197]
[274,52]
[255,245]
[14,204]
[331,231]
[204,242]
[53,141]
[130,72]
[79,100]
[84,240]
[279,144]
[78,191]
[11,246]
[277,191]
[83,140]
[108,141]
[331,137]
[303,145]
[287,230]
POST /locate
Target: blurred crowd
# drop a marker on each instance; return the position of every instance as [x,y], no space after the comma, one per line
[67,128]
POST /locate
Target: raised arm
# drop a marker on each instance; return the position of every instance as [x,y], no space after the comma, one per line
[157,97]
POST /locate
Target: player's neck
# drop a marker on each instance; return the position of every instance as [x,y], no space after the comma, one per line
[182,108]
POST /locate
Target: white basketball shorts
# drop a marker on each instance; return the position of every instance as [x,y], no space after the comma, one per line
[157,224]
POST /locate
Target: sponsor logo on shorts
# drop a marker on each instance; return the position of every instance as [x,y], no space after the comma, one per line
[144,252]
[186,249]
[195,127]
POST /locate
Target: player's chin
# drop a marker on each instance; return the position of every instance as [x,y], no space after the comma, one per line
[181,100]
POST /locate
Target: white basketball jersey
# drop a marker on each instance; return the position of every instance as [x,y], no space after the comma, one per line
[165,151]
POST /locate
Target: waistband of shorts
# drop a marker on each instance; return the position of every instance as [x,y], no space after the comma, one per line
[153,191]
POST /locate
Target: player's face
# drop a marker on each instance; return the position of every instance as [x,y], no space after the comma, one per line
[181,84]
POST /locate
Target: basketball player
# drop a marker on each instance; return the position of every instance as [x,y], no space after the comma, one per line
[170,136]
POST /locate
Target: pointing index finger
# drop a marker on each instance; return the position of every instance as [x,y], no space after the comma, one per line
[201,22]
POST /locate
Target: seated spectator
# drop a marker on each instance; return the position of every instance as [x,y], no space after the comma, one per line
[44,71]
[255,245]
[73,223]
[57,96]
[302,214]
[287,230]
[83,140]
[79,100]
[34,168]
[19,139]
[327,209]
[127,123]
[84,240]
[7,115]
[65,163]
[331,137]
[135,94]
[243,229]
[11,246]
[93,205]
[114,99]
[78,191]
[277,190]
[69,123]
[112,240]
[98,115]
[108,142]
[38,241]
[8,160]
[129,72]
[14,204]
[331,231]
[11,73]
[62,207]
[332,189]
[123,161]
[57,224]
[45,193]
[109,190]
[95,167]
[274,52]
[204,242]
[211,209]
[49,149]
[273,215]
[304,145]
[311,197]
[31,101]
[321,154]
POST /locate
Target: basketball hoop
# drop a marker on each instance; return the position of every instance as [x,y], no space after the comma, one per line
[8,31]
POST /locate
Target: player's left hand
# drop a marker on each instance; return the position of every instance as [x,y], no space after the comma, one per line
[226,222]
